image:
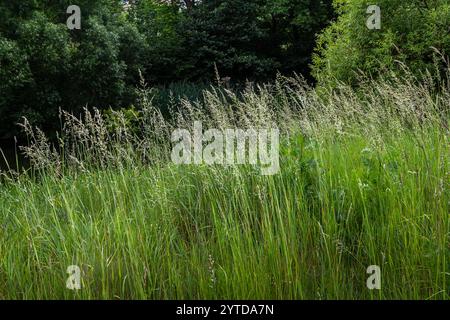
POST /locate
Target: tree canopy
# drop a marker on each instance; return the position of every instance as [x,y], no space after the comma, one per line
[413,33]
[46,66]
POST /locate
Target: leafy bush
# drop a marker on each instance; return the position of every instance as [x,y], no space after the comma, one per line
[45,66]
[15,75]
[413,33]
[253,39]
[353,190]
[165,41]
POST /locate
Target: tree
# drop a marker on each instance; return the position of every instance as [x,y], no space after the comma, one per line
[43,50]
[293,27]
[15,76]
[410,34]
[157,22]
[46,66]
[253,39]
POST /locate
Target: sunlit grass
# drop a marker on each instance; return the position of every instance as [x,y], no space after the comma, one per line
[344,199]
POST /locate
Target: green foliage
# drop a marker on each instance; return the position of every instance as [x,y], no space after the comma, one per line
[253,39]
[157,23]
[15,75]
[353,190]
[293,26]
[46,66]
[164,41]
[100,74]
[123,117]
[227,33]
[414,34]
[48,50]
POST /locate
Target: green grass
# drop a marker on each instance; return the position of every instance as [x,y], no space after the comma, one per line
[309,232]
[341,202]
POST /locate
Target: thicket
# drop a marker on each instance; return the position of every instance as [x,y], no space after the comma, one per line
[45,66]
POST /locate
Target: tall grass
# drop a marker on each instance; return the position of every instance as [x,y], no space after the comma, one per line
[363,181]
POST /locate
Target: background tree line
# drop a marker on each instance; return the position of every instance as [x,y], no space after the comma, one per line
[45,66]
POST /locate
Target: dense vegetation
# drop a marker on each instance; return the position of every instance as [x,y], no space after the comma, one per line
[45,66]
[414,34]
[354,190]
[364,159]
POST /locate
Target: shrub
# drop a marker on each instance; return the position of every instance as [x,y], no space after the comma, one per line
[414,34]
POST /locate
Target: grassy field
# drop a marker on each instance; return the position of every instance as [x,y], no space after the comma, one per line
[363,181]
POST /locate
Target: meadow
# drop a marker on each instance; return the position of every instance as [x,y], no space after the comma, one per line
[363,181]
